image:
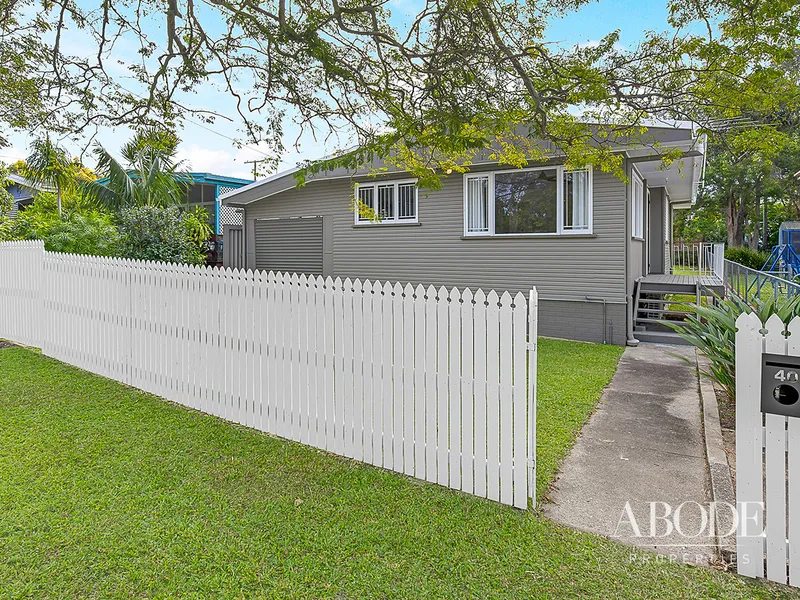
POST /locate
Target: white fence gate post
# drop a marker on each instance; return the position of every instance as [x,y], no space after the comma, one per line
[767,448]
[533,369]
[432,383]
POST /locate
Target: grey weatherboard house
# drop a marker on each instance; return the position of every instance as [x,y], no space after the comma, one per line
[584,239]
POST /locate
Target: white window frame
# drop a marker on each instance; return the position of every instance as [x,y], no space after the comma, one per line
[395,183]
[637,206]
[560,201]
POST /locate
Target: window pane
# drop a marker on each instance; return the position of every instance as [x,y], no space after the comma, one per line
[386,201]
[406,204]
[366,196]
[637,210]
[526,202]
[478,204]
[576,200]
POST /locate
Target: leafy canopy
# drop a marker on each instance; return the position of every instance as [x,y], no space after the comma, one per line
[82,229]
[6,199]
[160,233]
[149,174]
[461,79]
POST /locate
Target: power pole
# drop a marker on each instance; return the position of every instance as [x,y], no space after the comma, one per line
[255,166]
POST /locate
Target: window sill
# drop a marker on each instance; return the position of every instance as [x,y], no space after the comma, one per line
[372,225]
[637,238]
[528,236]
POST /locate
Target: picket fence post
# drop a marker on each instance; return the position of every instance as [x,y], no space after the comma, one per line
[767,457]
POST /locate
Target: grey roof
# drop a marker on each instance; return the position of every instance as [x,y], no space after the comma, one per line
[681,180]
[20,180]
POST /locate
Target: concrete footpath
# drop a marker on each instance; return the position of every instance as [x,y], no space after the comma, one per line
[640,458]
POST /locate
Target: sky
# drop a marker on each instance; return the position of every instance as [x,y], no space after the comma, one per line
[211,148]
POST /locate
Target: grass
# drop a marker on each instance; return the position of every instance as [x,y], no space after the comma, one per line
[108,492]
[678,270]
[748,289]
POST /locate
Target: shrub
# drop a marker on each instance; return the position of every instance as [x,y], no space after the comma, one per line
[712,329]
[158,233]
[753,259]
[81,230]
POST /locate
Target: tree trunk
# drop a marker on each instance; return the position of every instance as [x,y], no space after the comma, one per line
[735,215]
[753,242]
[58,193]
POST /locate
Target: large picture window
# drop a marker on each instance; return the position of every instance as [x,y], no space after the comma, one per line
[548,200]
[392,201]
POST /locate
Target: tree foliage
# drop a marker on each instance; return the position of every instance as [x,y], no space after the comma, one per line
[159,233]
[6,199]
[460,79]
[751,166]
[149,174]
[48,165]
[81,229]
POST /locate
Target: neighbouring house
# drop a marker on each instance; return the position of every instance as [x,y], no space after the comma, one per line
[206,189]
[24,192]
[586,239]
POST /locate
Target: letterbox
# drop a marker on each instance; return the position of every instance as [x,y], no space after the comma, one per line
[780,385]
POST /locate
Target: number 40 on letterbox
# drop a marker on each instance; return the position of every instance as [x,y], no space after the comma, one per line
[780,385]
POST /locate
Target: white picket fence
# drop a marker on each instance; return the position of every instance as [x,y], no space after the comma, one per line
[768,514]
[436,384]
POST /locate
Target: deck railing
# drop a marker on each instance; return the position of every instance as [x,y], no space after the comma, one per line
[751,285]
[701,258]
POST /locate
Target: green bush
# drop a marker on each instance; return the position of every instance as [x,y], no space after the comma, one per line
[160,234]
[712,329]
[753,259]
[82,229]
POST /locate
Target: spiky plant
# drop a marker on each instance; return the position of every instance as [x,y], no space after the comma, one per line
[712,329]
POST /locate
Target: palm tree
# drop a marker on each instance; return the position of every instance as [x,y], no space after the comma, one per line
[148,175]
[48,164]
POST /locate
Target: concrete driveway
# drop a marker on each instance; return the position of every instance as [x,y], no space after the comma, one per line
[640,458]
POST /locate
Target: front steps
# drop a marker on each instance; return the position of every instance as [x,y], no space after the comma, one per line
[660,299]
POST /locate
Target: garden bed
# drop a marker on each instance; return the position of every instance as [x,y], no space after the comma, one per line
[727,418]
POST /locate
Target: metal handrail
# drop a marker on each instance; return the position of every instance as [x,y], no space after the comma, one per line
[696,258]
[750,284]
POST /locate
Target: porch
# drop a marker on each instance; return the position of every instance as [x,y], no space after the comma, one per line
[681,284]
[663,297]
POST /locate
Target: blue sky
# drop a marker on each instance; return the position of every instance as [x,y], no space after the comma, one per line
[208,147]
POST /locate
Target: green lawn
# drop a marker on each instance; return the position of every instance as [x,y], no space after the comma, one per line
[107,492]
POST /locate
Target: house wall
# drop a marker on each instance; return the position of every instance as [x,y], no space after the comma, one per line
[18,192]
[565,269]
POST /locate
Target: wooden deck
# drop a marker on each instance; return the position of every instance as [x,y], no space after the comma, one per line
[682,280]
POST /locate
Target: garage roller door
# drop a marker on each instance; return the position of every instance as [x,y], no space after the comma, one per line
[289,245]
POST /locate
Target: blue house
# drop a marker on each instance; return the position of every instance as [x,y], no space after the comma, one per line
[23,191]
[205,190]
